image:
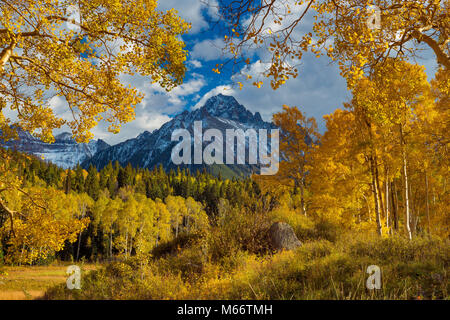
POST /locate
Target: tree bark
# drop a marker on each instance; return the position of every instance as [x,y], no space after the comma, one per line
[427,202]
[386,198]
[394,202]
[379,190]
[5,55]
[375,197]
[302,198]
[441,56]
[110,243]
[405,176]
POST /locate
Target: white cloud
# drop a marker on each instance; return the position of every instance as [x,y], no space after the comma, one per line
[197,12]
[155,109]
[176,96]
[145,121]
[225,90]
[195,63]
[318,90]
[210,49]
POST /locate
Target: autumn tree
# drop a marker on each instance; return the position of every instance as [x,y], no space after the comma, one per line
[38,228]
[387,100]
[298,140]
[338,175]
[77,51]
[359,34]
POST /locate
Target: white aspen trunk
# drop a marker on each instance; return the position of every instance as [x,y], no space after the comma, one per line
[407,209]
[302,196]
[405,176]
[126,244]
[79,244]
[386,198]
[131,245]
[428,204]
[110,243]
[376,199]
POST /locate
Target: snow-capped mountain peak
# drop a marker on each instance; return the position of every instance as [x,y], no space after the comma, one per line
[148,149]
[151,149]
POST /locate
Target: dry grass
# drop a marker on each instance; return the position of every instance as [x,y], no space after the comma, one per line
[30,282]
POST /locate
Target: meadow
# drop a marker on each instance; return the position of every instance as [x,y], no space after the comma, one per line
[31,282]
[330,264]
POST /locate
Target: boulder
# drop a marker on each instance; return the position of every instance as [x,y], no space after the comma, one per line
[282,237]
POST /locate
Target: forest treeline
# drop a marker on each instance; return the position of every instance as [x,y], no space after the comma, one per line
[123,210]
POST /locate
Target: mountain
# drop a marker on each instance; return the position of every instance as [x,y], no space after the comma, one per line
[151,149]
[64,152]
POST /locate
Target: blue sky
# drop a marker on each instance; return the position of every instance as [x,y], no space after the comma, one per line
[318,90]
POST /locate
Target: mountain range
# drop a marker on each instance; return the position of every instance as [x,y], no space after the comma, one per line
[64,152]
[150,149]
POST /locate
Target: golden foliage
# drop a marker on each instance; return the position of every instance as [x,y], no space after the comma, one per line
[48,58]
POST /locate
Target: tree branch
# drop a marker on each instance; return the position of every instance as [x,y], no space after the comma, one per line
[441,56]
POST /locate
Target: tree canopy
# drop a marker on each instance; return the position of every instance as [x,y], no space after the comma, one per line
[80,51]
[359,34]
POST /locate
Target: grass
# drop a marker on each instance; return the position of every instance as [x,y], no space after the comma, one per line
[31,282]
[234,261]
[320,269]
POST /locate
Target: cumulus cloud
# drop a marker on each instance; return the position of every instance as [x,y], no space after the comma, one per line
[210,49]
[225,90]
[194,11]
[155,109]
[317,91]
[145,121]
[195,63]
[176,95]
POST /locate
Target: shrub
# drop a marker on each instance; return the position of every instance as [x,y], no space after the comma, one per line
[238,230]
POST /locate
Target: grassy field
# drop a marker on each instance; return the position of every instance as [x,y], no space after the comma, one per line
[30,282]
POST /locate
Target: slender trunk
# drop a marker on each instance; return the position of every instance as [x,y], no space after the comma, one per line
[131,244]
[110,243]
[379,190]
[302,199]
[126,244]
[386,197]
[376,198]
[427,202]
[394,206]
[79,244]
[405,176]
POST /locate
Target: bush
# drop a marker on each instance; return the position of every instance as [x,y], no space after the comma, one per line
[305,227]
[123,280]
[238,230]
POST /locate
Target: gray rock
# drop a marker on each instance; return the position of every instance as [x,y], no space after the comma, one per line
[282,236]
